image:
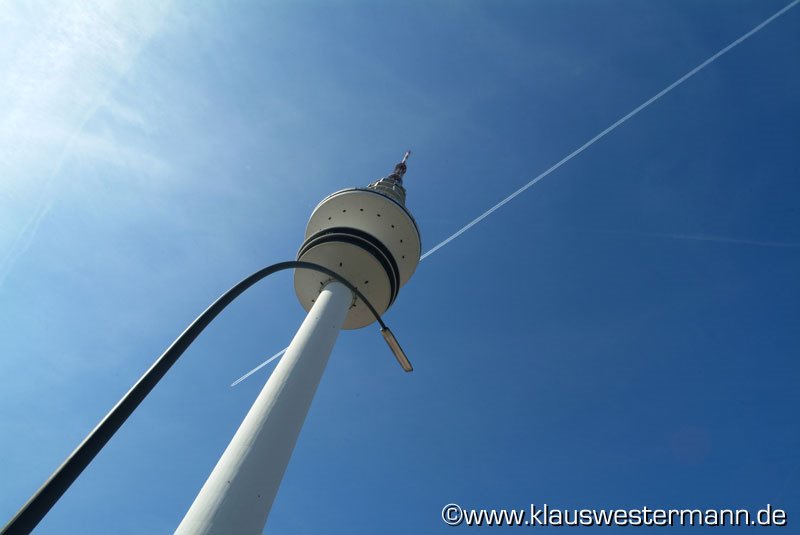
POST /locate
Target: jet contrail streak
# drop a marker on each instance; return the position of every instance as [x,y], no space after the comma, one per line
[25,238]
[707,237]
[254,370]
[580,149]
[610,129]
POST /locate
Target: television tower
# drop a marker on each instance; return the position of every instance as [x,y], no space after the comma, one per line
[368,236]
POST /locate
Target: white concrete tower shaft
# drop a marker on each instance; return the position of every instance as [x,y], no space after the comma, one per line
[368,237]
[238,494]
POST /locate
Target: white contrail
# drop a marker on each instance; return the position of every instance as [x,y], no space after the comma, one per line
[580,149]
[60,75]
[610,129]
[254,370]
[25,237]
[706,237]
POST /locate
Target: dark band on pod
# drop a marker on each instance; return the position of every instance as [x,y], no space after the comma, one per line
[364,241]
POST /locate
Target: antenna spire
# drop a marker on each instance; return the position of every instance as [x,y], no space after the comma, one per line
[392,185]
[400,169]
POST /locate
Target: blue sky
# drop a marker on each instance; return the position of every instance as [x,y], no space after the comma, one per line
[624,333]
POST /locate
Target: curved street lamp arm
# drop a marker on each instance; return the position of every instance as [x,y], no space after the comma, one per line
[48,494]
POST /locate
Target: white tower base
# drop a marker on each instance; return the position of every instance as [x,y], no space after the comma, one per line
[239,493]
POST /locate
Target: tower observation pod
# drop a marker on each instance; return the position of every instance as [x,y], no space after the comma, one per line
[369,238]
